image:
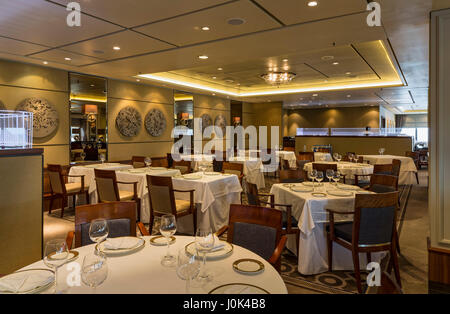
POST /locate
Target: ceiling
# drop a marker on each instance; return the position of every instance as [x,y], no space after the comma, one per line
[156,38]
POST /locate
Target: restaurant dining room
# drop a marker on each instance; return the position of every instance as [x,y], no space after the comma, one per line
[235,147]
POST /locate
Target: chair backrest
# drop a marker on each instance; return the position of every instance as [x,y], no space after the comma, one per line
[413,155]
[138,161]
[383,169]
[160,162]
[121,217]
[57,183]
[324,167]
[286,164]
[170,160]
[292,176]
[251,190]
[289,149]
[396,164]
[309,156]
[183,165]
[107,189]
[233,168]
[360,159]
[161,195]
[382,183]
[374,219]
[255,228]
[217,165]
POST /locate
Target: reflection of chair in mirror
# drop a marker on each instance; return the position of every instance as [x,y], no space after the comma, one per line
[138,161]
[183,165]
[160,162]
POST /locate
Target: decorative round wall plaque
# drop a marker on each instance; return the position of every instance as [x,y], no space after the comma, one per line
[129,121]
[155,122]
[221,122]
[45,116]
[206,121]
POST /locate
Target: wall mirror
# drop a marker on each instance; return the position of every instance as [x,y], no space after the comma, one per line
[183,115]
[88,118]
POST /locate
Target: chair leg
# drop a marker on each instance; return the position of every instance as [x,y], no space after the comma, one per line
[369,257]
[52,197]
[74,201]
[397,240]
[394,259]
[88,201]
[138,208]
[357,270]
[150,227]
[417,177]
[64,201]
[330,253]
[194,214]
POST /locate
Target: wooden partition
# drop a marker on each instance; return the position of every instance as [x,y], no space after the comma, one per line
[361,145]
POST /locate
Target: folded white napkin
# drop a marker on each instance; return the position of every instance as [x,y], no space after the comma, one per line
[121,243]
[25,281]
[218,245]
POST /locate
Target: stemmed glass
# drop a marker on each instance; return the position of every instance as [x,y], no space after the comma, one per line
[329,174]
[102,158]
[168,227]
[204,242]
[94,270]
[98,231]
[188,267]
[381,151]
[339,157]
[335,156]
[148,162]
[336,177]
[83,155]
[313,175]
[319,177]
[350,157]
[56,254]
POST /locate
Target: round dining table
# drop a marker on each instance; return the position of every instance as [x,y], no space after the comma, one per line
[349,169]
[141,272]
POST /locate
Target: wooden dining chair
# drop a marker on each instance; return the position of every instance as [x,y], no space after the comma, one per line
[289,149]
[60,189]
[292,176]
[268,156]
[396,164]
[382,183]
[416,157]
[257,229]
[234,168]
[162,200]
[285,164]
[306,156]
[324,167]
[160,162]
[183,165]
[373,230]
[386,169]
[121,218]
[108,189]
[138,161]
[289,223]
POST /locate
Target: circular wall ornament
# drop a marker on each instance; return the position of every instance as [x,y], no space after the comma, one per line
[155,122]
[129,121]
[206,121]
[45,116]
[221,122]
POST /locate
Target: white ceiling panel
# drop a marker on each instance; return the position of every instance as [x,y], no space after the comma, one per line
[130,43]
[58,56]
[131,13]
[298,11]
[44,23]
[18,47]
[186,29]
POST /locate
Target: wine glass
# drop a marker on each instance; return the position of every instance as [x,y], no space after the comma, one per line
[94,270]
[83,155]
[381,151]
[319,177]
[335,156]
[336,177]
[99,145]
[350,157]
[98,231]
[313,175]
[204,242]
[148,162]
[168,227]
[188,267]
[339,157]
[56,254]
[329,174]
[102,158]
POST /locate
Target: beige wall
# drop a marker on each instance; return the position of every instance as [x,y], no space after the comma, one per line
[267,114]
[19,81]
[349,117]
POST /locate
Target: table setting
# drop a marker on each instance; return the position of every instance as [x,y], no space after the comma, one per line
[173,264]
[349,169]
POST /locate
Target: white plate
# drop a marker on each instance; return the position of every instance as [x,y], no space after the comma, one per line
[301,189]
[238,288]
[340,193]
[46,273]
[161,241]
[224,252]
[210,173]
[139,245]
[192,177]
[73,255]
[318,194]
[248,266]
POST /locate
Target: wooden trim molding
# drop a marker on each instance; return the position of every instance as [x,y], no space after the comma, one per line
[21,152]
[438,268]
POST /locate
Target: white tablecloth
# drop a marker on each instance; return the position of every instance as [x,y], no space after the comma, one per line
[310,213]
[408,168]
[213,194]
[349,169]
[142,273]
[322,157]
[89,174]
[289,156]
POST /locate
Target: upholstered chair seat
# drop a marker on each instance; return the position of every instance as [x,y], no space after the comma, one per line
[117,228]
[126,195]
[75,187]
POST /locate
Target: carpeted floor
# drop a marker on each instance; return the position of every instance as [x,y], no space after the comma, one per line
[414,229]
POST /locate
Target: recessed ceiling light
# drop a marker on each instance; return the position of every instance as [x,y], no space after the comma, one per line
[45,62]
[285,60]
[214,94]
[67,59]
[219,69]
[335,63]
[236,21]
[138,80]
[92,85]
[214,77]
[203,57]
[348,96]
[315,95]
[205,28]
[312,3]
[116,48]
[348,73]
[327,58]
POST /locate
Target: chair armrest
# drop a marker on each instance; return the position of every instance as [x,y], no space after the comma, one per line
[271,197]
[69,239]
[221,231]
[142,229]
[134,187]
[277,252]
[332,211]
[77,176]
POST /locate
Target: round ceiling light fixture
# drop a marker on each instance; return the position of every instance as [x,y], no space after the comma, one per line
[205,28]
[236,21]
[312,3]
[278,78]
[203,57]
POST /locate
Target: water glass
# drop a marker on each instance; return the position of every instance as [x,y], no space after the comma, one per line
[94,270]
[329,174]
[188,267]
[148,161]
[168,227]
[102,158]
[204,243]
[56,254]
[98,230]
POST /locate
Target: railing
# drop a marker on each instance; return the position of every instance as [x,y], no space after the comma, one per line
[350,132]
